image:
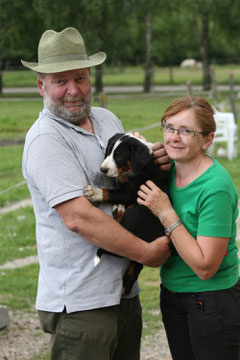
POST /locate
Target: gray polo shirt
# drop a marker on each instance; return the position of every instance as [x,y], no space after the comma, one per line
[59,160]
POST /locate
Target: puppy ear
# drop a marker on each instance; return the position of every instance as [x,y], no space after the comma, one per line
[140,157]
[111,143]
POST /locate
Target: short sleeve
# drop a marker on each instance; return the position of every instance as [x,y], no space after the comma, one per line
[216,215]
[54,169]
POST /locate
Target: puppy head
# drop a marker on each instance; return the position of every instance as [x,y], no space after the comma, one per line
[126,155]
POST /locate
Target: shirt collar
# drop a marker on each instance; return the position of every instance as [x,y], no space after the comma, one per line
[66,123]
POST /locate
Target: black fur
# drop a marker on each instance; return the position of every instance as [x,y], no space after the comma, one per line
[137,218]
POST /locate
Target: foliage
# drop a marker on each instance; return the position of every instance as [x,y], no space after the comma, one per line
[118,27]
[18,34]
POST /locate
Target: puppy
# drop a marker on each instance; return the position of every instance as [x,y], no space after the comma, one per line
[129,160]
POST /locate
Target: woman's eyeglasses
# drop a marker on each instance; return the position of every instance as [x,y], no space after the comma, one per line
[182,132]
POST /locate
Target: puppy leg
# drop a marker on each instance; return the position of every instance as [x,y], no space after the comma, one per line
[131,276]
[95,194]
[118,211]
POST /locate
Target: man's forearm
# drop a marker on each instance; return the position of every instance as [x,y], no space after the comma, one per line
[101,230]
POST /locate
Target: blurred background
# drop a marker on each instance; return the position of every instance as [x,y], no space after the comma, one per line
[156,50]
[146,33]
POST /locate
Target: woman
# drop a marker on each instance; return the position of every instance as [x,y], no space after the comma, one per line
[200,291]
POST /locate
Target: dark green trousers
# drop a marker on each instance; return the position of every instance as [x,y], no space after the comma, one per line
[111,333]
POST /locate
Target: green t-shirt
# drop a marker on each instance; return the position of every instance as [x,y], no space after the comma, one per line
[209,207]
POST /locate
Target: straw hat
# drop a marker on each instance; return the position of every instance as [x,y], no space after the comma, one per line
[62,51]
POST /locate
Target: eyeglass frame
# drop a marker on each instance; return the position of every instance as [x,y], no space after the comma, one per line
[181,130]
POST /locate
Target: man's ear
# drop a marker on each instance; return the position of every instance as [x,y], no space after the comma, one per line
[40,84]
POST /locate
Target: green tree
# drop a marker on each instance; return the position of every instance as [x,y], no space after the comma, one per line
[17,33]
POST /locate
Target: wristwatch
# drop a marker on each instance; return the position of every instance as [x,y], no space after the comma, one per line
[169,230]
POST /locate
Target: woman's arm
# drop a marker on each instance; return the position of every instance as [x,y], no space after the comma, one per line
[205,255]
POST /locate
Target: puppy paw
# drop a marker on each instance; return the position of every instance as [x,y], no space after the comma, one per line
[118,211]
[93,194]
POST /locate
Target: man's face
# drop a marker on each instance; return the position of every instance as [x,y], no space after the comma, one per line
[67,94]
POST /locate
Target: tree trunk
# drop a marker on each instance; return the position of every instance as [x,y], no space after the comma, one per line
[98,79]
[171,79]
[148,60]
[205,51]
[1,62]
[0,82]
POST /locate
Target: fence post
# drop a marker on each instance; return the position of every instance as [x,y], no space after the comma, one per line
[4,318]
[232,98]
[103,100]
[213,83]
[189,88]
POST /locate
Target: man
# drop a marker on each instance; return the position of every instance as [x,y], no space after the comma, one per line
[78,304]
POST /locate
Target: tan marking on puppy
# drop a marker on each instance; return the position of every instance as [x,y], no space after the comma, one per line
[105,195]
[127,169]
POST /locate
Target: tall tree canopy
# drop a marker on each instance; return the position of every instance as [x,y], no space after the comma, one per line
[146,32]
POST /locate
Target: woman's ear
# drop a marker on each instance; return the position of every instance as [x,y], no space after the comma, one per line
[208,141]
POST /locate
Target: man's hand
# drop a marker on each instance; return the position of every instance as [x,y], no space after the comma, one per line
[161,157]
[158,252]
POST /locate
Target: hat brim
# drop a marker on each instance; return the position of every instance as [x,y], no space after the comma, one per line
[94,60]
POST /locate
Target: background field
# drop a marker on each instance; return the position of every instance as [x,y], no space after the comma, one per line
[134,75]
[17,229]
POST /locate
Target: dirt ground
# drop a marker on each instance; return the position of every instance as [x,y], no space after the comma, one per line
[25,339]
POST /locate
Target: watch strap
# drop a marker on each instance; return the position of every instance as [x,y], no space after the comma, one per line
[169,230]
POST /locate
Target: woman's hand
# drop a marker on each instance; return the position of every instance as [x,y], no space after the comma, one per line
[161,157]
[155,199]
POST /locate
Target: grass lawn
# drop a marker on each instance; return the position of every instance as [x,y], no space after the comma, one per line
[134,75]
[16,117]
[17,234]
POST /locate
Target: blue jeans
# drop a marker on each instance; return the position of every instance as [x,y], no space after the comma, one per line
[204,325]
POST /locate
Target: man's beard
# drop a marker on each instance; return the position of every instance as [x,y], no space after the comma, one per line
[57,107]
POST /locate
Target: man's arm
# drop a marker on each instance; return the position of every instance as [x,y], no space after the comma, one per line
[80,216]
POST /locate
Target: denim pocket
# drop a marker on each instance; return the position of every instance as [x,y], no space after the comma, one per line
[207,304]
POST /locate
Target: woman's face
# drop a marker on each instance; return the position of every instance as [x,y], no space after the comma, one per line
[183,138]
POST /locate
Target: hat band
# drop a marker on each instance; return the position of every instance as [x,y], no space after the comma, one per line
[61,58]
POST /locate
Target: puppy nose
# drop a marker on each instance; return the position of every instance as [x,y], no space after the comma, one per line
[104,170]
